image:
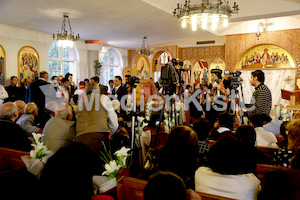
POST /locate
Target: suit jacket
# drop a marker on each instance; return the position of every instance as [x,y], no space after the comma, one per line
[13,136]
[26,122]
[122,90]
[36,95]
[14,93]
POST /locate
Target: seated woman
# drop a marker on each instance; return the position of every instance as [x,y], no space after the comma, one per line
[180,154]
[227,174]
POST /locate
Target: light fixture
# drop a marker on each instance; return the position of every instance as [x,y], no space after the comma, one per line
[262,24]
[144,49]
[65,38]
[206,13]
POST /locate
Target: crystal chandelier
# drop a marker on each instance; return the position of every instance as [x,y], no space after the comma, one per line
[144,49]
[204,14]
[64,38]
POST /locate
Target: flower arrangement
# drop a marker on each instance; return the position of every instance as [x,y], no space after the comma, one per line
[285,114]
[40,150]
[112,166]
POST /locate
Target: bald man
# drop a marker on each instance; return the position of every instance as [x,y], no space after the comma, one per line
[60,131]
[20,104]
[11,134]
[26,121]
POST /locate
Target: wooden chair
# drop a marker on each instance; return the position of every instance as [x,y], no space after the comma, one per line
[268,151]
[10,160]
[133,189]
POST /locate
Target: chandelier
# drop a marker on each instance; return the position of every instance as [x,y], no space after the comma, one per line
[204,14]
[64,38]
[144,49]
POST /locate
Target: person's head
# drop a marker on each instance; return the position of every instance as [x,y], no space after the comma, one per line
[31,109]
[118,81]
[188,87]
[227,156]
[27,81]
[246,135]
[265,50]
[50,108]
[65,83]
[44,75]
[164,185]
[257,77]
[10,111]
[111,83]
[69,77]
[256,120]
[266,118]
[20,104]
[81,85]
[64,111]
[181,152]
[127,78]
[116,104]
[59,78]
[202,128]
[225,120]
[95,79]
[90,87]
[68,173]
[86,81]
[216,74]
[293,129]
[54,80]
[13,81]
[205,87]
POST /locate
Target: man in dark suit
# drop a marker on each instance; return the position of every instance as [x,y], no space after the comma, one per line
[14,93]
[12,135]
[103,88]
[36,95]
[119,90]
[72,86]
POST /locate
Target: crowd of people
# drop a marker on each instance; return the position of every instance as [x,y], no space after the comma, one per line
[213,155]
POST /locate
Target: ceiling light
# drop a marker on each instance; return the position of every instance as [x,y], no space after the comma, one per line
[65,38]
[206,13]
[144,49]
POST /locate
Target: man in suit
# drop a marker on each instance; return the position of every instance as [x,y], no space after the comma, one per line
[23,88]
[103,88]
[36,95]
[26,121]
[119,90]
[72,87]
[13,91]
[12,135]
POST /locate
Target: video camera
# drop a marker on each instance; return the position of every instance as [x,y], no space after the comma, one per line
[170,75]
[234,81]
[133,80]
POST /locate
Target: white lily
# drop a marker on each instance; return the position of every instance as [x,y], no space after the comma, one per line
[36,136]
[122,152]
[111,167]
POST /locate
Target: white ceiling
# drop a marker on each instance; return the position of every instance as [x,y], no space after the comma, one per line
[123,23]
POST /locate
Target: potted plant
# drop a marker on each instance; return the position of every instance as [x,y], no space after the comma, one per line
[97,67]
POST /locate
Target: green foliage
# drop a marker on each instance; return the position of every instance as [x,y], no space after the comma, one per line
[97,67]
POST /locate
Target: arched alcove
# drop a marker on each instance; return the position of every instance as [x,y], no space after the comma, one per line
[2,66]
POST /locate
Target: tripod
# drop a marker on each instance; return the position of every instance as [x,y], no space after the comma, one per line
[236,110]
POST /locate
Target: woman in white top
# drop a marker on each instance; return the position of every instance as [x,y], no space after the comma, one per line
[227,174]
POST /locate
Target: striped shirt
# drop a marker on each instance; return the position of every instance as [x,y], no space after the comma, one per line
[263,100]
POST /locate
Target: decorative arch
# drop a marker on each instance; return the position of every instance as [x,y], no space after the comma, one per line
[142,67]
[28,63]
[127,71]
[2,66]
[265,56]
[200,73]
[217,64]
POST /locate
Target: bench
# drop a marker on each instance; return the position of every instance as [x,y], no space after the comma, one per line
[130,188]
[10,160]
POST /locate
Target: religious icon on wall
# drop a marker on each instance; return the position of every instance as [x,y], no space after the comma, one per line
[200,73]
[217,64]
[142,69]
[266,56]
[127,71]
[187,73]
[28,62]
[2,66]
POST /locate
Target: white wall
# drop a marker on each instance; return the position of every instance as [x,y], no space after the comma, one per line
[13,39]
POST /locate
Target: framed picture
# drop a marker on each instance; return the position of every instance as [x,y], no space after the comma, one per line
[28,63]
[142,68]
[2,67]
[266,56]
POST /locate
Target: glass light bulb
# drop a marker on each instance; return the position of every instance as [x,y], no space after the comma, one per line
[194,22]
[225,20]
[183,23]
[59,43]
[71,44]
[204,21]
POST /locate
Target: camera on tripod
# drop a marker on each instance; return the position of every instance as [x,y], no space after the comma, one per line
[133,80]
[234,80]
[170,75]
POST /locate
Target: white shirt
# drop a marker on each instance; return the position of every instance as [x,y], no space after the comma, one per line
[265,138]
[112,117]
[3,94]
[243,186]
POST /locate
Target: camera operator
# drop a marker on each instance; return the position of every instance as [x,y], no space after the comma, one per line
[218,89]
